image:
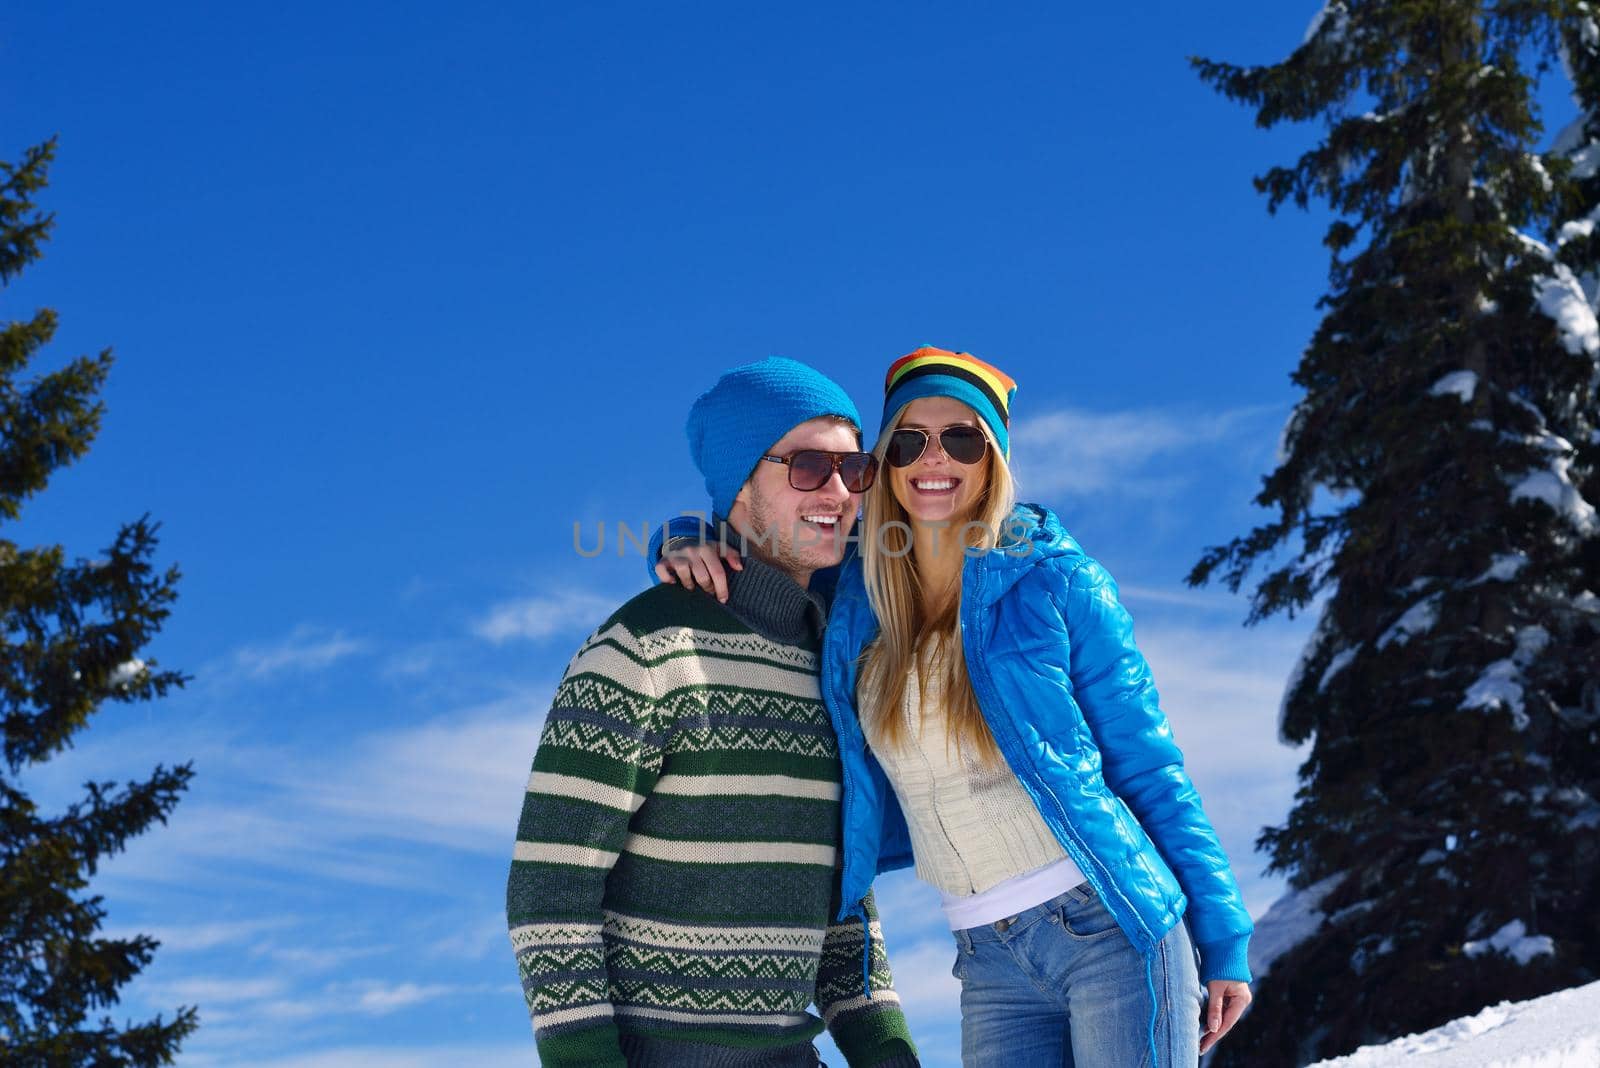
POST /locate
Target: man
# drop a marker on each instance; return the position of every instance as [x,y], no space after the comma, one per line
[673,892]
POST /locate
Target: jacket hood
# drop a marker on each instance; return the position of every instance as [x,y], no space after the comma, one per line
[1033,536]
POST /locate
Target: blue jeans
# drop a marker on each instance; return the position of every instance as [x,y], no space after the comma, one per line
[1061,984]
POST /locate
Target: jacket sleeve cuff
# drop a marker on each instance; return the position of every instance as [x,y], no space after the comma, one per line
[1226,959]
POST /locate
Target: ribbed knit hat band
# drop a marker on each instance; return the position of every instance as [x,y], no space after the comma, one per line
[931,372]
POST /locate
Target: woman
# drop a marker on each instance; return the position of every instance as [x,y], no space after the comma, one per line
[999,727]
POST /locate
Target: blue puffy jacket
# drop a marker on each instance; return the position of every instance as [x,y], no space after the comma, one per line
[1071,703]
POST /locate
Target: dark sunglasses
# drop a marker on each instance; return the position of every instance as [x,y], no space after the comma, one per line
[810,469]
[962,443]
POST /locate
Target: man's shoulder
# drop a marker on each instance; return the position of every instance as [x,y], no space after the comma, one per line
[649,629]
[671,607]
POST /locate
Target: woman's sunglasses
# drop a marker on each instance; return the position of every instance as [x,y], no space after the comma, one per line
[962,443]
[810,469]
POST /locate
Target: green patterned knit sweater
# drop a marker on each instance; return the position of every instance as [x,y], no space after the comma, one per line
[674,882]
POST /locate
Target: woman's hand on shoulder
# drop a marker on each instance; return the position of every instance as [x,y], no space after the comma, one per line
[1226,1002]
[699,565]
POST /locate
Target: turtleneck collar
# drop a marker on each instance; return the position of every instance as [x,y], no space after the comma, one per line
[770,602]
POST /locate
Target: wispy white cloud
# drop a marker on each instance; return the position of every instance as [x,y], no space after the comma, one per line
[545,616]
[416,661]
[1072,450]
[191,938]
[372,998]
[215,989]
[1179,597]
[455,781]
[382,1000]
[474,941]
[305,649]
[317,958]
[355,813]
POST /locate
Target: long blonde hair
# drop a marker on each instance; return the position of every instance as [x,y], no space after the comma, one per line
[909,638]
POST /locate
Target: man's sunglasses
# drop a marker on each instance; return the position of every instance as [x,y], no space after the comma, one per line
[810,469]
[962,443]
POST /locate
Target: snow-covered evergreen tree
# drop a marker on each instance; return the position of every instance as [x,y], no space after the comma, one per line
[1434,503]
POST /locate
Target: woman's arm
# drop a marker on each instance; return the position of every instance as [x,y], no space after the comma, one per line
[1143,766]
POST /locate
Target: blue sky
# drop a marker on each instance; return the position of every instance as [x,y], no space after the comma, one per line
[400,293]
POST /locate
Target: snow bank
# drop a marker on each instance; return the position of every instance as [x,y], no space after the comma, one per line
[1560,1030]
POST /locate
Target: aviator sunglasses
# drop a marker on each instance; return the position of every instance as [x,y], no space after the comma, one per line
[963,443]
[810,469]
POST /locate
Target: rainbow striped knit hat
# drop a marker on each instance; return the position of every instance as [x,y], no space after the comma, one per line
[931,372]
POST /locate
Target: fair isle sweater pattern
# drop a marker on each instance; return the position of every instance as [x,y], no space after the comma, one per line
[674,877]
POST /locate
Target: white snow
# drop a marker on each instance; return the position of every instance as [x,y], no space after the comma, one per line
[1533,245]
[1560,1030]
[1340,661]
[1323,629]
[1462,383]
[1544,439]
[1561,298]
[127,673]
[1333,9]
[1514,941]
[1418,619]
[1536,163]
[1362,957]
[1554,487]
[1553,484]
[1500,684]
[1292,919]
[1586,161]
[1531,641]
[1502,568]
[1576,228]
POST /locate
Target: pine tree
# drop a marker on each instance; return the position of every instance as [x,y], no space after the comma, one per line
[1433,503]
[70,638]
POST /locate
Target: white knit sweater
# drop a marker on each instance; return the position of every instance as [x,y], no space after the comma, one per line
[972,826]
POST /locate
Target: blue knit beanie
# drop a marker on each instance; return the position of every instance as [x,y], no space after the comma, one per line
[734,423]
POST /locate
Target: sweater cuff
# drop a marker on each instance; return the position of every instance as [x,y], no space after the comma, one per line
[1228,958]
[896,1059]
[876,1040]
[895,1053]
